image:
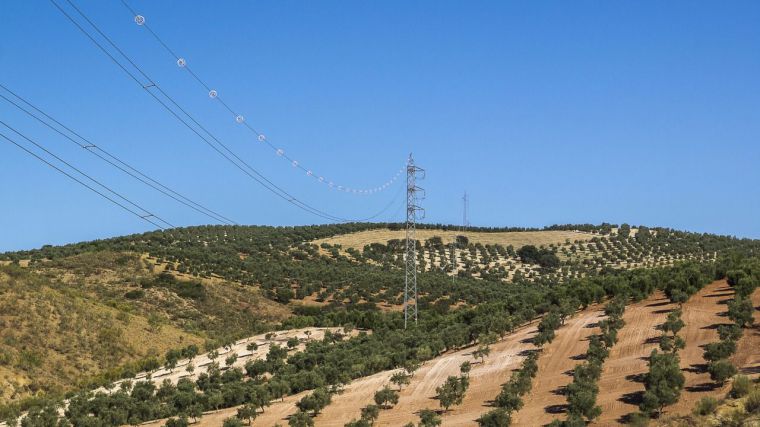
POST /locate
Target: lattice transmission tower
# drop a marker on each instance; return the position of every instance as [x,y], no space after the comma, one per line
[465,209]
[413,212]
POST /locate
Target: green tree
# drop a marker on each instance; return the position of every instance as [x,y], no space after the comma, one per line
[315,402]
[673,323]
[232,422]
[495,418]
[248,413]
[663,382]
[740,311]
[451,392]
[401,379]
[482,352]
[300,419]
[721,371]
[715,351]
[386,398]
[429,418]
[370,413]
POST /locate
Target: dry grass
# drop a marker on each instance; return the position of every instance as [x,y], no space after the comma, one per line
[53,337]
[515,238]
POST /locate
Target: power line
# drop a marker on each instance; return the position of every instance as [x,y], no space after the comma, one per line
[112,160]
[239,118]
[225,151]
[50,153]
[146,217]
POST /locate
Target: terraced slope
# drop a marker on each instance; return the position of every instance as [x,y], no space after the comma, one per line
[620,386]
[545,400]
[485,382]
[701,314]
[747,357]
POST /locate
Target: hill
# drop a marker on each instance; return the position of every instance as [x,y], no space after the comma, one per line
[136,300]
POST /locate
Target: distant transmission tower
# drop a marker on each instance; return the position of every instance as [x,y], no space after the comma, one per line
[413,195]
[465,208]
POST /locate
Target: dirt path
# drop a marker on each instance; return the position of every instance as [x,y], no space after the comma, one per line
[702,313]
[545,400]
[747,357]
[620,386]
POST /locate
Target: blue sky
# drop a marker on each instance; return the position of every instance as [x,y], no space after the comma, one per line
[551,112]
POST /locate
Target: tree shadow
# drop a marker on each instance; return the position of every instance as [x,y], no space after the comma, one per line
[556,409]
[658,304]
[701,388]
[653,340]
[697,368]
[626,419]
[720,294]
[750,370]
[582,356]
[716,325]
[636,378]
[560,391]
[633,398]
[527,352]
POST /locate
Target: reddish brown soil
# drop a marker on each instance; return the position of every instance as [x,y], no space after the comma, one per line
[545,401]
[747,357]
[701,314]
[620,386]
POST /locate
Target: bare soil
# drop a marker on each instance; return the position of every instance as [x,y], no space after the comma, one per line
[485,382]
[747,357]
[702,314]
[347,405]
[546,400]
[620,386]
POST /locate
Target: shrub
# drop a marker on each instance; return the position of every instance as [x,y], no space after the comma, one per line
[135,294]
[741,387]
[752,404]
[706,405]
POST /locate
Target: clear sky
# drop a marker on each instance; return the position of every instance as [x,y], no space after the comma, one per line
[644,112]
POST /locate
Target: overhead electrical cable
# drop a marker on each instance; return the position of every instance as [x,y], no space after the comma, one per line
[224,151]
[111,159]
[240,118]
[148,217]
